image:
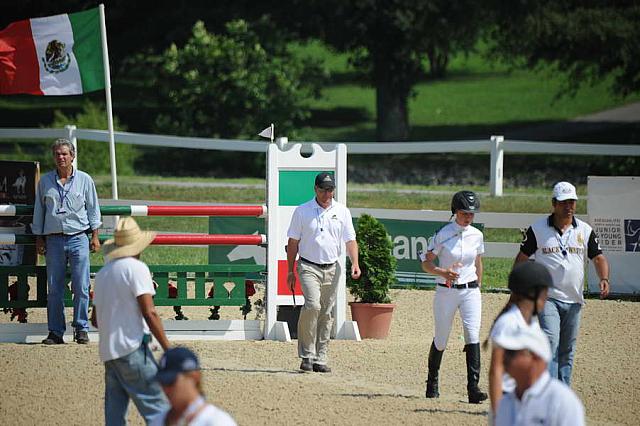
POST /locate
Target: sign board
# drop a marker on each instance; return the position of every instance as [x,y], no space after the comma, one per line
[18,181]
[614,213]
[409,238]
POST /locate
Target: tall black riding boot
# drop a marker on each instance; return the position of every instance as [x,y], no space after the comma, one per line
[435,358]
[473,374]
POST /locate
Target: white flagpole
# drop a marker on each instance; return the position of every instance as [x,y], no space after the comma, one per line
[107,91]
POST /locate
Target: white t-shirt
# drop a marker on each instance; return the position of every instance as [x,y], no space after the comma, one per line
[507,323]
[120,322]
[321,232]
[210,415]
[457,244]
[547,402]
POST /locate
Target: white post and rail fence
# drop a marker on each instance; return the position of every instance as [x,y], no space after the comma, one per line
[496,146]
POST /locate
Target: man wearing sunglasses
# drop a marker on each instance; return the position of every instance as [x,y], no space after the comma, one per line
[538,398]
[317,232]
[564,244]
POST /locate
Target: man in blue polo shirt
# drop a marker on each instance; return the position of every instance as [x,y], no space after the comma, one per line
[563,244]
[66,212]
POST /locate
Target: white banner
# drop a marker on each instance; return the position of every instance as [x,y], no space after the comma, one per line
[614,212]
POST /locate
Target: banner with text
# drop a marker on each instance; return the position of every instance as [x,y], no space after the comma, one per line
[614,213]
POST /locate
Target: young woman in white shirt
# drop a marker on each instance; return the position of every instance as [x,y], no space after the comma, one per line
[458,248]
[528,282]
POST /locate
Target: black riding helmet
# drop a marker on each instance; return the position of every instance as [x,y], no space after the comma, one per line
[467,201]
[528,279]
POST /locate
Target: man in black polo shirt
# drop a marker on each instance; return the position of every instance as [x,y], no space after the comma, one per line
[563,244]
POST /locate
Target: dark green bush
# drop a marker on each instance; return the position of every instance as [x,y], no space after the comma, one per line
[377,264]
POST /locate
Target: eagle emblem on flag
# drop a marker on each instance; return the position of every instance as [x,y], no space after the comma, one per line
[56,59]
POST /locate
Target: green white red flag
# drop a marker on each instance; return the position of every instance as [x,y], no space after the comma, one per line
[54,55]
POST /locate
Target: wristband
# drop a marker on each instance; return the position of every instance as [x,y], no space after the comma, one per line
[604,279]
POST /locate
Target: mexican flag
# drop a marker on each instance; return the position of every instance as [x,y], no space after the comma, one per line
[55,55]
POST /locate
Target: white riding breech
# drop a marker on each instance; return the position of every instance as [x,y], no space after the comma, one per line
[445,304]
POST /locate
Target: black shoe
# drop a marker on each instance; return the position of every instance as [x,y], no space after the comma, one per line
[321,368]
[53,339]
[476,396]
[81,337]
[306,365]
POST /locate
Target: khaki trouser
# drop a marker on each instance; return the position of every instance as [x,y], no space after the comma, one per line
[320,287]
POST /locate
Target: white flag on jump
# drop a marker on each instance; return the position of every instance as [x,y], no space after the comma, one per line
[267,133]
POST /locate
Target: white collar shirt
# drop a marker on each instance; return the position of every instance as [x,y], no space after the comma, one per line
[547,402]
[567,271]
[321,232]
[457,247]
[198,413]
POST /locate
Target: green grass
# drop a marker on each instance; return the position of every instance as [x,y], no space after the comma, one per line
[535,200]
[477,98]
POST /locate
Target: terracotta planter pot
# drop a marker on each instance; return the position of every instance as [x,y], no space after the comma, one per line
[374,319]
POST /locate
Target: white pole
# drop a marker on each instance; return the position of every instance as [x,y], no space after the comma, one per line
[497,160]
[71,135]
[272,133]
[107,91]
[282,142]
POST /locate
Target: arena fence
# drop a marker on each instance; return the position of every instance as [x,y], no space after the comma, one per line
[495,146]
[176,285]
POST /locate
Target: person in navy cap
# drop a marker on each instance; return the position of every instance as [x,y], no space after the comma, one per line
[180,377]
[319,229]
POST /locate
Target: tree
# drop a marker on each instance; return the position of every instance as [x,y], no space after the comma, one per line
[389,40]
[229,85]
[586,39]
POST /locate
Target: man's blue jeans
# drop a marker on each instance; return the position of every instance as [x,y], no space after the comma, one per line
[63,249]
[132,377]
[561,322]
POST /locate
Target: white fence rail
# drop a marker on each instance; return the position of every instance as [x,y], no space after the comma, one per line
[496,146]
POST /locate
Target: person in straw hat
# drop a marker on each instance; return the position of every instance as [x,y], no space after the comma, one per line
[125,316]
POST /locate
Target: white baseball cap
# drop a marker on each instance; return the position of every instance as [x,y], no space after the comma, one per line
[530,338]
[564,191]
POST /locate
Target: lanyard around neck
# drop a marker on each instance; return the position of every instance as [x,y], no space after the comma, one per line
[61,188]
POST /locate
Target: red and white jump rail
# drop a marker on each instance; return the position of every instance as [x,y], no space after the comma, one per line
[161,239]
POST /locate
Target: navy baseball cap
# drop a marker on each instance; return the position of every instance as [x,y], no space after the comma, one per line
[175,361]
[325,180]
[527,276]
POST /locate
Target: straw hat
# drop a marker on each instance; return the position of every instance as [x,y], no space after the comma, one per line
[128,240]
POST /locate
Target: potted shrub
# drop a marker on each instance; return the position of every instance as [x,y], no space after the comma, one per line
[372,309]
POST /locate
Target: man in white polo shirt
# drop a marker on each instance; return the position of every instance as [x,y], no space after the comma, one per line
[563,244]
[538,399]
[317,231]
